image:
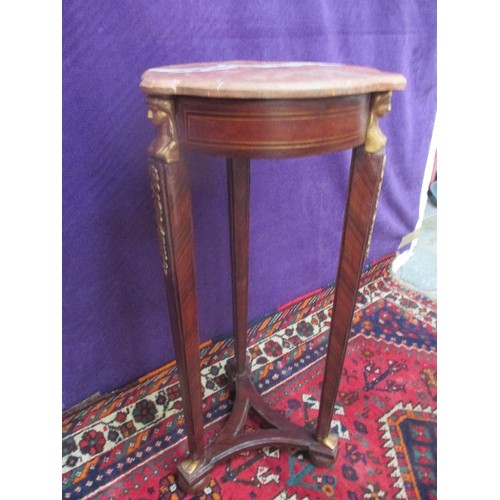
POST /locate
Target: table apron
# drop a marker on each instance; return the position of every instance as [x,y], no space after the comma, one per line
[245,128]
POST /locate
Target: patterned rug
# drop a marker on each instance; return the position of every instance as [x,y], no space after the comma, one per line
[126,445]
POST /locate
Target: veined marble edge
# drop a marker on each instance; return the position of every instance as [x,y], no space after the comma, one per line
[226,66]
[253,94]
[149,84]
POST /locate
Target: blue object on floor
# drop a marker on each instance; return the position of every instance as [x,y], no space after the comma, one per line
[433,193]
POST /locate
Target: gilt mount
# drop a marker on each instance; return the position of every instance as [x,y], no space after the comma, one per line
[165,146]
[160,213]
[375,139]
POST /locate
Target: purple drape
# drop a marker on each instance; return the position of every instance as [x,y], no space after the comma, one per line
[115,322]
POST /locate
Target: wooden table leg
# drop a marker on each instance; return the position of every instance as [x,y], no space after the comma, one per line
[367,168]
[364,186]
[238,175]
[172,198]
[173,212]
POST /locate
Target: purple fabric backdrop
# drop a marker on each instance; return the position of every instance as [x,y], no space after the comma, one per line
[115,321]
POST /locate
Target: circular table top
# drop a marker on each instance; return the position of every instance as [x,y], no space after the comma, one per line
[267,80]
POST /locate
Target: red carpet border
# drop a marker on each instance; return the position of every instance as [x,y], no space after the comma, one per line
[126,445]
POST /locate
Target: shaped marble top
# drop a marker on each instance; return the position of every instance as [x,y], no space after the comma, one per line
[267,80]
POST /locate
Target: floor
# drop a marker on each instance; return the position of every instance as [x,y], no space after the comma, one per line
[420,271]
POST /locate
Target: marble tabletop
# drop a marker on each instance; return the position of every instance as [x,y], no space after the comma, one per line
[267,80]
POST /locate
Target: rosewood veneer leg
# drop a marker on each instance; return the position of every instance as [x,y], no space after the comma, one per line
[173,212]
[364,186]
[172,197]
[238,175]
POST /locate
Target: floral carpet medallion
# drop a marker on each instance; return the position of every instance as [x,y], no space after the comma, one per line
[127,445]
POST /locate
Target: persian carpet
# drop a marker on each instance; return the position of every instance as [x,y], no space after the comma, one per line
[127,445]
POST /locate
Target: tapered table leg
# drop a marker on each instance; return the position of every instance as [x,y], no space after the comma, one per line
[238,174]
[367,168]
[172,198]
[173,210]
[364,186]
